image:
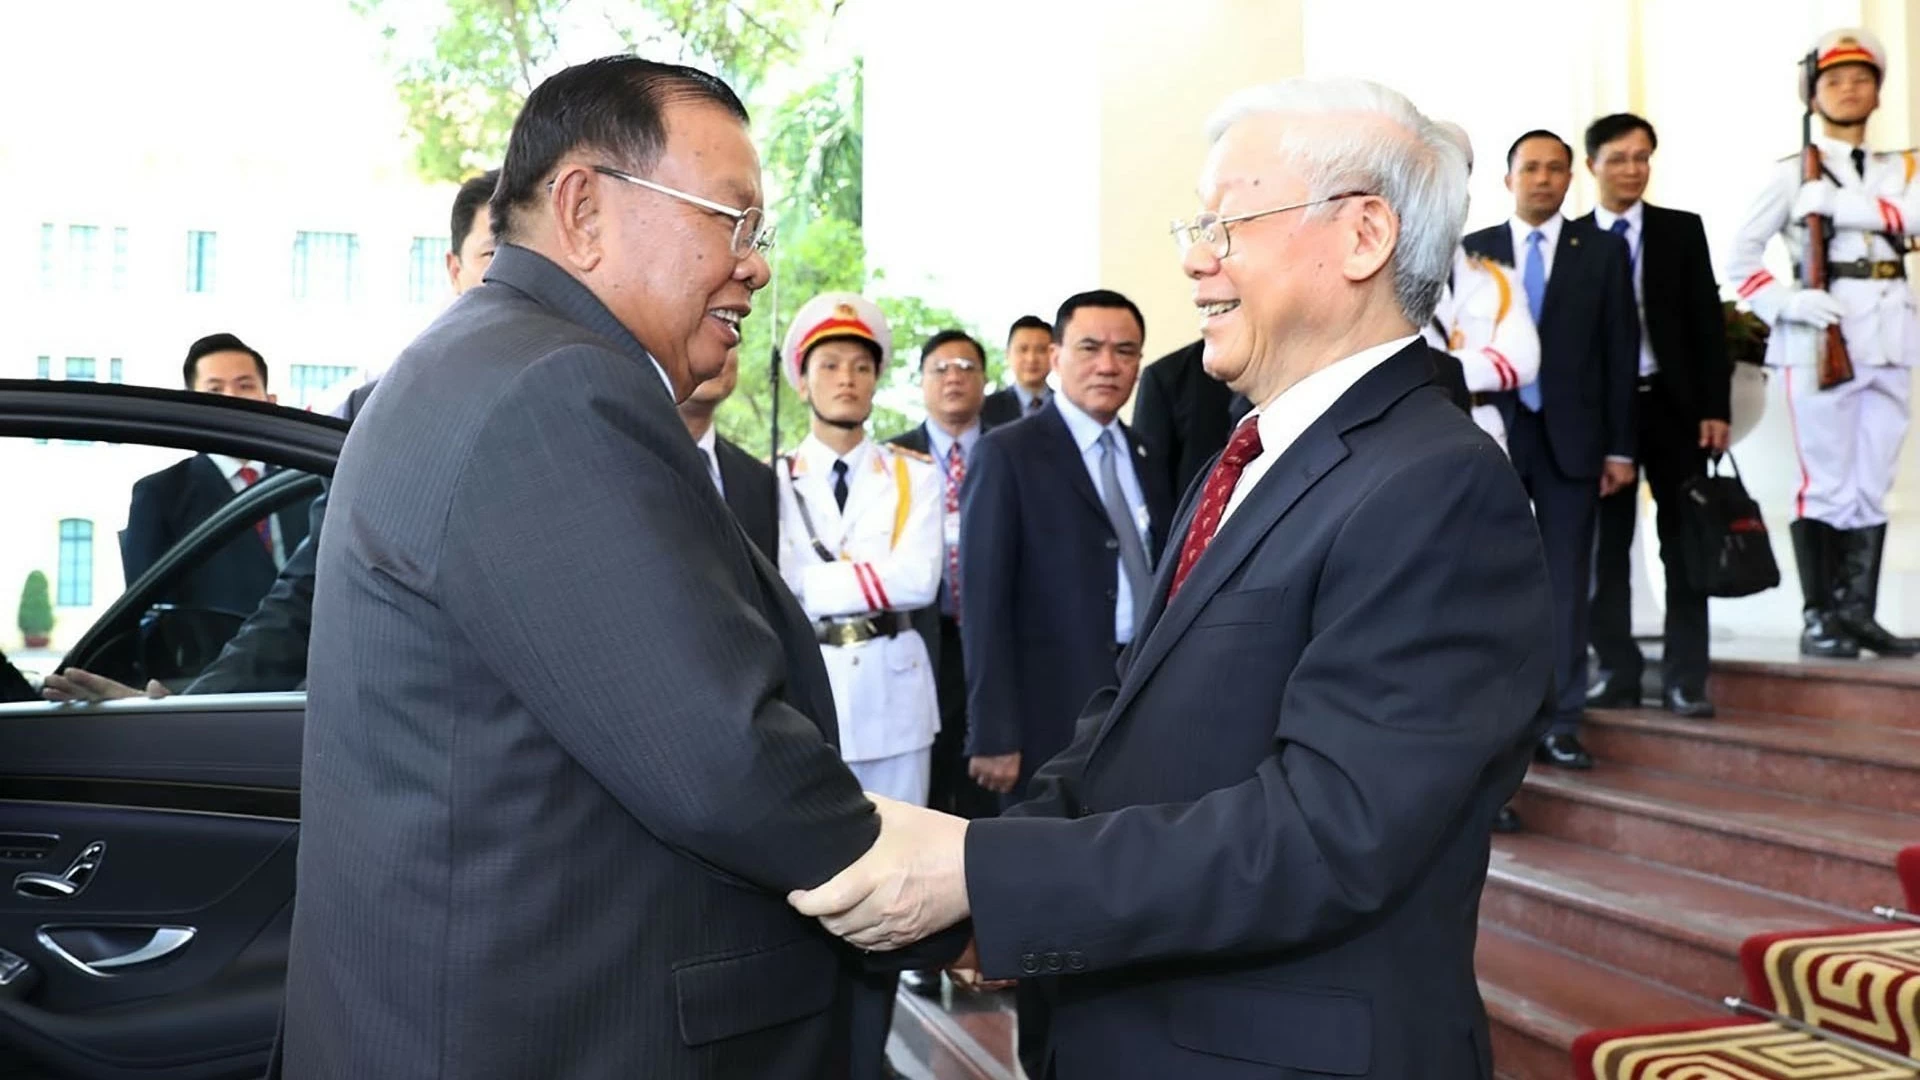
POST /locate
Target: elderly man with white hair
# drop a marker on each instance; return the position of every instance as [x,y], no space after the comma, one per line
[1264,851]
[1482,321]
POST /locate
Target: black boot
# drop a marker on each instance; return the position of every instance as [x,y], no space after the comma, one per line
[1816,550]
[1858,592]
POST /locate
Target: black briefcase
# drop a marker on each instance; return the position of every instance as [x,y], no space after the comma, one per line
[1728,552]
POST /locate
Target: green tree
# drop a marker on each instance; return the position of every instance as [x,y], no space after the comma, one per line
[36,608]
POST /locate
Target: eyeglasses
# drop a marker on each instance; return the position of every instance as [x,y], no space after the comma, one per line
[950,365]
[1210,228]
[750,229]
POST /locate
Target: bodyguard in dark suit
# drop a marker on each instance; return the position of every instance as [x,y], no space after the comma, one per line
[1263,853]
[1570,432]
[1681,417]
[1184,413]
[1027,366]
[1052,587]
[168,504]
[745,482]
[513,863]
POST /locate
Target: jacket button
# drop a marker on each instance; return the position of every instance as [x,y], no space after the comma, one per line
[1053,961]
[1113,544]
[1076,962]
[1029,964]
[1113,594]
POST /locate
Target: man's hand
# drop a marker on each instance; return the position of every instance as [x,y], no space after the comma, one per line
[73,684]
[996,773]
[1619,475]
[911,883]
[1715,436]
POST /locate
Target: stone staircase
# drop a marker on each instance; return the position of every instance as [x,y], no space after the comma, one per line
[1626,900]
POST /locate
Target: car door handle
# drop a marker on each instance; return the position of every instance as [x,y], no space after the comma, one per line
[41,886]
[161,942]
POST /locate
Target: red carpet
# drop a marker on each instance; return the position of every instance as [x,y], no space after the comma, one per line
[1725,1049]
[1862,981]
[1908,865]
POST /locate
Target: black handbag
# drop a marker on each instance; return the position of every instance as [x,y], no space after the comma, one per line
[1728,552]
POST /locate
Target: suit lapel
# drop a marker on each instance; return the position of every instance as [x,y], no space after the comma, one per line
[1315,454]
[1153,488]
[1068,459]
[1567,260]
[1499,244]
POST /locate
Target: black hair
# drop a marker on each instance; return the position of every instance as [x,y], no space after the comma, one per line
[614,105]
[948,337]
[215,343]
[1608,128]
[1028,322]
[1096,298]
[1538,133]
[467,203]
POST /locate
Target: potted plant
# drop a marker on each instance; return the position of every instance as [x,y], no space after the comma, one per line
[36,611]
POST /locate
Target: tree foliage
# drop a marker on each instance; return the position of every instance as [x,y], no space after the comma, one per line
[36,607]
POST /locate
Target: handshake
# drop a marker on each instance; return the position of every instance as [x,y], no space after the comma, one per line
[912,883]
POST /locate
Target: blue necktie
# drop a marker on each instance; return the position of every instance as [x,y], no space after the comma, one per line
[1619,227]
[1534,279]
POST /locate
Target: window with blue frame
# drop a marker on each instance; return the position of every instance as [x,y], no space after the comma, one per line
[201,248]
[308,382]
[48,279]
[116,370]
[43,367]
[325,266]
[426,269]
[119,259]
[81,369]
[75,588]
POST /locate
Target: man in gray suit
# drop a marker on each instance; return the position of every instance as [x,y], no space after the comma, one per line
[569,739]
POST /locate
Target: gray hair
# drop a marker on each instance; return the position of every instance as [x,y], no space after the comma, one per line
[1408,161]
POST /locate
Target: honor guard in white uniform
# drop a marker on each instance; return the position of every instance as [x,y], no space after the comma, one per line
[1847,437]
[1479,324]
[860,546]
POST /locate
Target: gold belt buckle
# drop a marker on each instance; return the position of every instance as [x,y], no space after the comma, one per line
[1885,270]
[844,632]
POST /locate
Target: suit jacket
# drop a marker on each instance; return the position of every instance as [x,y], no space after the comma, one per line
[168,504]
[1264,851]
[926,620]
[1184,413]
[1001,407]
[1039,580]
[749,484]
[1589,345]
[1681,304]
[569,741]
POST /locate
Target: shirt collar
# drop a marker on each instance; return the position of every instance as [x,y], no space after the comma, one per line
[1635,215]
[1084,429]
[1521,230]
[707,442]
[1299,405]
[941,443]
[230,466]
[1026,397]
[820,457]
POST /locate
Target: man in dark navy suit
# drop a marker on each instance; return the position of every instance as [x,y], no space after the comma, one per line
[168,504]
[1263,853]
[1571,432]
[1028,342]
[745,482]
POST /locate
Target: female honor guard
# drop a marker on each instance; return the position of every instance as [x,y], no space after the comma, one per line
[1847,436]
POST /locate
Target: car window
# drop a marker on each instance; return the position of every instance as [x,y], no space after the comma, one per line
[114,557]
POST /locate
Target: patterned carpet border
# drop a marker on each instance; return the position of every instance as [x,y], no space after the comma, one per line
[1862,981]
[1725,1049]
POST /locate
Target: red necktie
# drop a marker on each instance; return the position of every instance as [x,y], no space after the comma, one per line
[1242,448]
[250,476]
[956,473]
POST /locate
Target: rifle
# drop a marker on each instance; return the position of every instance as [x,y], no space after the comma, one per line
[1830,348]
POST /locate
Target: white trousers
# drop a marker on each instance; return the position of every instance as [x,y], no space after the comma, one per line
[1848,442]
[903,776]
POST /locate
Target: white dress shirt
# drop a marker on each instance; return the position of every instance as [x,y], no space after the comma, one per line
[230,468]
[1086,435]
[1635,236]
[708,445]
[1550,228]
[1285,418]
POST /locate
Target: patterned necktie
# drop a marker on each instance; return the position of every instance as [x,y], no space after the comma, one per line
[1133,554]
[250,476]
[1034,403]
[1225,476]
[956,474]
[1534,279]
[840,484]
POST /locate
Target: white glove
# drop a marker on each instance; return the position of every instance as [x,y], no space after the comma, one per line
[1816,197]
[1816,307]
